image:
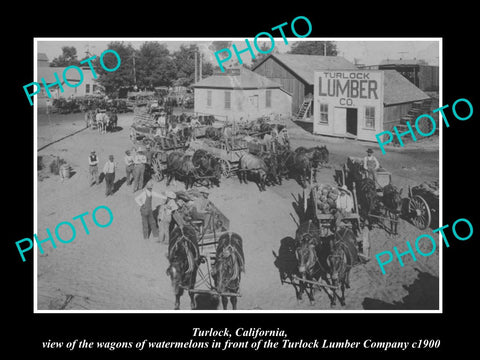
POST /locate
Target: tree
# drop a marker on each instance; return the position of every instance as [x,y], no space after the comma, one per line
[219,45]
[124,76]
[328,48]
[154,65]
[68,57]
[184,59]
[259,56]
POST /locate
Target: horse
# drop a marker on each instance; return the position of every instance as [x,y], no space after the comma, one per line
[214,133]
[298,164]
[287,263]
[343,255]
[272,162]
[113,120]
[229,264]
[312,263]
[181,165]
[253,164]
[102,120]
[184,258]
[208,166]
[392,200]
[318,156]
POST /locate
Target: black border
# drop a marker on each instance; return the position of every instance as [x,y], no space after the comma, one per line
[26,331]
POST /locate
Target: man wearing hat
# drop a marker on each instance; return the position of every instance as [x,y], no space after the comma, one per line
[370,163]
[284,137]
[144,200]
[165,216]
[129,167]
[93,167]
[139,162]
[109,171]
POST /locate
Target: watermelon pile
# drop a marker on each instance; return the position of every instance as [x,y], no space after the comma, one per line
[327,198]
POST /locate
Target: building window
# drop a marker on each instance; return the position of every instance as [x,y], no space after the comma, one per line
[228,103]
[209,98]
[268,99]
[369,117]
[87,88]
[94,88]
[253,101]
[324,113]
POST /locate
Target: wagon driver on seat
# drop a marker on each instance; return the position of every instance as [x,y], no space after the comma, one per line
[370,163]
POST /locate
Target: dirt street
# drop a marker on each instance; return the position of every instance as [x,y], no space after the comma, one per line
[114,268]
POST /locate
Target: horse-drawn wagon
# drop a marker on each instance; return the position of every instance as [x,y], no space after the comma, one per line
[205,257]
[330,206]
[327,244]
[423,204]
[227,151]
[380,201]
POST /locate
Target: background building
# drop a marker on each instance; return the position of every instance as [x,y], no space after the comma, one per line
[240,94]
[361,103]
[296,75]
[419,72]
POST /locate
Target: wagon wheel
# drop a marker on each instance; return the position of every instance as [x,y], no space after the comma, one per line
[419,212]
[225,167]
[158,173]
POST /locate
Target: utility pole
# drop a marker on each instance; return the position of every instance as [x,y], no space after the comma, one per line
[196,75]
[134,74]
[200,72]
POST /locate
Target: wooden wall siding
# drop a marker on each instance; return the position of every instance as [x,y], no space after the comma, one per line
[393,114]
[428,78]
[271,69]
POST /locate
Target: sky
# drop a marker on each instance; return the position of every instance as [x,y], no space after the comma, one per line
[369,52]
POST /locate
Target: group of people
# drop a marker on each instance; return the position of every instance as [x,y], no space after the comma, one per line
[108,171]
[136,162]
[188,208]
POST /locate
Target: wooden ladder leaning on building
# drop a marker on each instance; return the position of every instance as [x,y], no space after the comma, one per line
[303,111]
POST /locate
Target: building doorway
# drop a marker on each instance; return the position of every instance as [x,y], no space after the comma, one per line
[352,121]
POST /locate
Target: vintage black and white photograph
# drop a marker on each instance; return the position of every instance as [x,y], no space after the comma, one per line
[203,174]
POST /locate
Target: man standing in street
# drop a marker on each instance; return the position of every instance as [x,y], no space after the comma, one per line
[109,171]
[139,169]
[165,217]
[144,200]
[93,167]
[129,167]
[148,166]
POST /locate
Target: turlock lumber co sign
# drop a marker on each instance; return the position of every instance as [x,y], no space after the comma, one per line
[348,102]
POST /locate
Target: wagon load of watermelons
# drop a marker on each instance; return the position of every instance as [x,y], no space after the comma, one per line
[430,187]
[327,198]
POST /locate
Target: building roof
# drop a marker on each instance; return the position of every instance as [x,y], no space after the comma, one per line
[42,57]
[48,74]
[398,89]
[304,66]
[245,79]
[403,62]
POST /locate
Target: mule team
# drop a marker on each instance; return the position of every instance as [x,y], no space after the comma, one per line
[320,257]
[103,121]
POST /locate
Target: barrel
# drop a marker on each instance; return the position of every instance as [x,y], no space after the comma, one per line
[65,171]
